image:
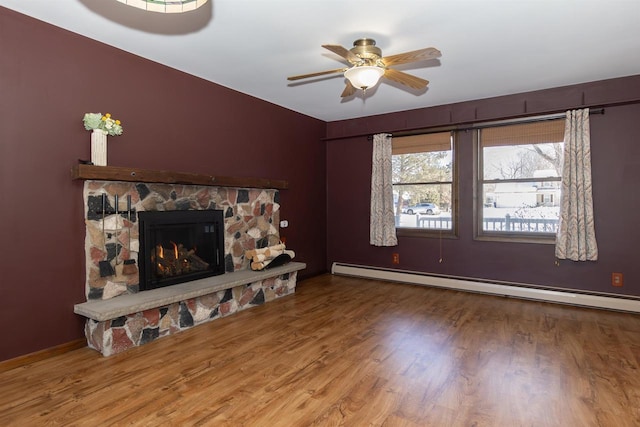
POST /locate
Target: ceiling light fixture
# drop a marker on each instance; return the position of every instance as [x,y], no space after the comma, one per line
[364,76]
[366,66]
[165,6]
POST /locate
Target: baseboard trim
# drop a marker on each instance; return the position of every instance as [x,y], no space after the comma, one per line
[524,291]
[37,356]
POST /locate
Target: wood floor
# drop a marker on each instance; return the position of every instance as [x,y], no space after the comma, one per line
[353,352]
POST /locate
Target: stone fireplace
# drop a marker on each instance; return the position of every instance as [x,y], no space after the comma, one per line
[250,219]
[122,311]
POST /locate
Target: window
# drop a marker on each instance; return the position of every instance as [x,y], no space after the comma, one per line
[423,182]
[519,177]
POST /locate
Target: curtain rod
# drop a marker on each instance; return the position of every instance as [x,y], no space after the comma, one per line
[521,120]
[481,125]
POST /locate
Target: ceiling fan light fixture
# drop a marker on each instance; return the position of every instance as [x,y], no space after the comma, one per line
[165,6]
[364,76]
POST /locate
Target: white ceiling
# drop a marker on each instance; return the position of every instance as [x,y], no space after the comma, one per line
[489,47]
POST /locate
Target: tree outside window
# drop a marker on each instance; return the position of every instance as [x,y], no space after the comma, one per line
[422,167]
[520,172]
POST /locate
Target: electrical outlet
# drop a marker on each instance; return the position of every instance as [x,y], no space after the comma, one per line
[395,258]
[617,279]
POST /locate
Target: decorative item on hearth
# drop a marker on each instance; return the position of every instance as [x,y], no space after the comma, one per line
[269,257]
[165,6]
[101,126]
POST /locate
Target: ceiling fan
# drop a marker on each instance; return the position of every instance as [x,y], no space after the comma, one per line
[367,65]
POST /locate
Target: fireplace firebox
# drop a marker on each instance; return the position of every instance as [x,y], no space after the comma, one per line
[179,246]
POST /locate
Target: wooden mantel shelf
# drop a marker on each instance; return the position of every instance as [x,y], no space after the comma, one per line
[113,173]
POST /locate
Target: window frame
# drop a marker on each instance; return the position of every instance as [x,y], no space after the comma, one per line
[478,186]
[432,232]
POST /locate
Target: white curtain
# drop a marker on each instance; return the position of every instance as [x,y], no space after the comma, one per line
[576,238]
[382,231]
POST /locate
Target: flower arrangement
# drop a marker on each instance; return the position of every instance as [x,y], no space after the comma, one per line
[104,123]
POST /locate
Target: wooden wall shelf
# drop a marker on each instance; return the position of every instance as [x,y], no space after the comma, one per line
[113,173]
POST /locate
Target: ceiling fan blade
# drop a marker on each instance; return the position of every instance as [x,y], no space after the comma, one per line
[344,52]
[348,90]
[405,79]
[413,56]
[319,73]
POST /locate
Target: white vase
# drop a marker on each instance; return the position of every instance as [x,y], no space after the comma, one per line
[99,147]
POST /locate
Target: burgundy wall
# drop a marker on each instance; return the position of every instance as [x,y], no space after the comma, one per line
[615,143]
[48,79]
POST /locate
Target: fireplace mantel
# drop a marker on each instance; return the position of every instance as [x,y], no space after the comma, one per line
[114,173]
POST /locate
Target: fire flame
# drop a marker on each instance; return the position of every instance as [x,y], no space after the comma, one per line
[175,250]
[178,261]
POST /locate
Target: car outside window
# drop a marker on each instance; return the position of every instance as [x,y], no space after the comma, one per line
[423,192]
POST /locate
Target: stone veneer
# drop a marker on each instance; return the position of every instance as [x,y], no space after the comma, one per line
[251,217]
[122,333]
[250,221]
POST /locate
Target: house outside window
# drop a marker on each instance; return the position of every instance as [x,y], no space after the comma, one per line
[423,184]
[519,181]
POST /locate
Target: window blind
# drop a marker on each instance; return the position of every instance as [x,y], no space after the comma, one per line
[427,142]
[547,131]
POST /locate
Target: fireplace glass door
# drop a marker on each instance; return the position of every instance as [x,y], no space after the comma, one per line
[180,246]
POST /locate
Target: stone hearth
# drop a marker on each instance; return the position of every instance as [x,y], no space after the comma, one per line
[118,324]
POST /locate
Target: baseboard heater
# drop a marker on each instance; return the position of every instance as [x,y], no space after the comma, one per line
[516,290]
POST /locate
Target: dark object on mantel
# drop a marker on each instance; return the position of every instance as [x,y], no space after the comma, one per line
[85,162]
[113,173]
